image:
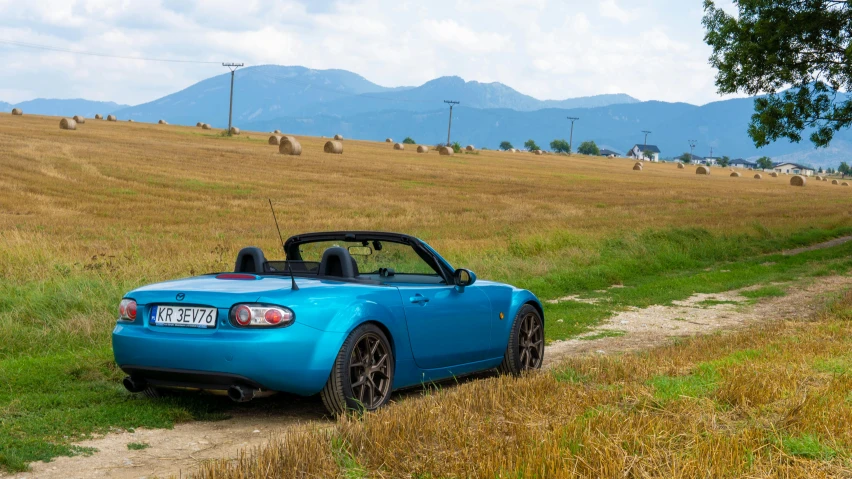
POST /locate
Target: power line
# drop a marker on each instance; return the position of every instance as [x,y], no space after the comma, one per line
[102,55]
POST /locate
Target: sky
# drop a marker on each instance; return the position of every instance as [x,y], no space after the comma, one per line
[549,49]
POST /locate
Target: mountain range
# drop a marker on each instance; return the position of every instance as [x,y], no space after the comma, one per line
[303,101]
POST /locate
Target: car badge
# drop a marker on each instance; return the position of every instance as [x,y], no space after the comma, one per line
[180,296]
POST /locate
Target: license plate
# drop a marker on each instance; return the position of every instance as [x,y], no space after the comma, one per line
[183,316]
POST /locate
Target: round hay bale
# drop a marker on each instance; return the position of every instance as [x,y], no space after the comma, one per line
[844,184]
[824,179]
[422,149]
[445,151]
[289,146]
[774,174]
[206,126]
[67,124]
[388,140]
[735,174]
[98,116]
[797,180]
[338,137]
[334,147]
[130,121]
[470,148]
[17,112]
[162,122]
[702,170]
[637,167]
[835,182]
[276,132]
[199,124]
[539,152]
[639,164]
[79,119]
[818,178]
[758,176]
[680,166]
[398,146]
[275,140]
[111,118]
[234,130]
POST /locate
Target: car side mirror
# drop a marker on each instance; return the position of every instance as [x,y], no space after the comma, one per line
[463,278]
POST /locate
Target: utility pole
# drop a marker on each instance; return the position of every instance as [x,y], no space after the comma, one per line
[571,138]
[645,145]
[450,127]
[711,152]
[233,67]
[692,144]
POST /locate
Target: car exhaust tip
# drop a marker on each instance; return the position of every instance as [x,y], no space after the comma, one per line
[134,385]
[240,393]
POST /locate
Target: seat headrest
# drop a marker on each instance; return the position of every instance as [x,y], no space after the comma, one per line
[250,260]
[337,261]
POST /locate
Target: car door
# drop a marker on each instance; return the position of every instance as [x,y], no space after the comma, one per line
[446,327]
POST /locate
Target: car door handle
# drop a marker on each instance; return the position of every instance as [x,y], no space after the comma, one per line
[419,299]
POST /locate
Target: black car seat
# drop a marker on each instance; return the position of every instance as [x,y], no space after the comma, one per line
[250,260]
[337,261]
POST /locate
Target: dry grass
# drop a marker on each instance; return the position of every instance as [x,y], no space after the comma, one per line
[771,401]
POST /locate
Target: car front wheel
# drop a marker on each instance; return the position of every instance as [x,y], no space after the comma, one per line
[525,350]
[362,376]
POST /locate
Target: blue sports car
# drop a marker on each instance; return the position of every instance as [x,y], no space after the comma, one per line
[350,315]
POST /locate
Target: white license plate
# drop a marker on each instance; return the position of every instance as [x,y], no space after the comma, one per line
[185,316]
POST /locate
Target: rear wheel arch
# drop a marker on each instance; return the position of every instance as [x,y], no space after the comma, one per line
[538,308]
[384,329]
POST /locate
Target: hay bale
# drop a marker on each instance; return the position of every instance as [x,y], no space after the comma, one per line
[289,146]
[680,166]
[398,146]
[17,112]
[199,124]
[774,174]
[702,170]
[334,147]
[206,126]
[98,116]
[639,164]
[818,178]
[111,118]
[835,182]
[338,137]
[637,167]
[234,130]
[422,149]
[824,179]
[79,119]
[470,148]
[844,184]
[797,180]
[67,124]
[130,121]
[162,122]
[445,151]
[275,140]
[735,174]
[539,152]
[276,132]
[758,176]
[388,140]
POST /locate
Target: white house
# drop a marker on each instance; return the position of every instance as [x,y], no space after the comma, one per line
[636,152]
[741,163]
[793,169]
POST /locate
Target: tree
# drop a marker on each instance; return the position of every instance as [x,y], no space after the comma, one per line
[686,158]
[843,169]
[764,163]
[819,170]
[724,161]
[648,154]
[560,146]
[530,145]
[770,45]
[505,146]
[589,148]
[409,141]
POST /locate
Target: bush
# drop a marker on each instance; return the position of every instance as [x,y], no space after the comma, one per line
[560,146]
[409,141]
[589,148]
[530,145]
[505,146]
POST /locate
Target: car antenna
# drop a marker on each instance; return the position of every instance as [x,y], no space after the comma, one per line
[293,286]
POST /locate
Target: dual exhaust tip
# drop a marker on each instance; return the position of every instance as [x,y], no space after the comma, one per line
[236,393]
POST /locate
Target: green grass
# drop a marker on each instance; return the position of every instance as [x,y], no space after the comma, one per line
[700,383]
[807,446]
[137,446]
[602,335]
[714,302]
[767,291]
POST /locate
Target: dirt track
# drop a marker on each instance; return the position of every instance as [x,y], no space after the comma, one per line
[177,451]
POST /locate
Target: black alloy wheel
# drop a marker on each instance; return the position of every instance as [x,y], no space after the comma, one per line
[525,351]
[362,376]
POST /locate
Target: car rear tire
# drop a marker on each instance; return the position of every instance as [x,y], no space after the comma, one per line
[362,376]
[525,351]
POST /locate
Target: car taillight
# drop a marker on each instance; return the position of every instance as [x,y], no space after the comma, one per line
[260,315]
[127,310]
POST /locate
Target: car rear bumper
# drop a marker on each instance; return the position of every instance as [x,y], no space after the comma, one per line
[296,359]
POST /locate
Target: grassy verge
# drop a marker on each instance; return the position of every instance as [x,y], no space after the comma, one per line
[769,401]
[60,384]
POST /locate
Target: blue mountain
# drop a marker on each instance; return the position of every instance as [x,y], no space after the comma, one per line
[54,107]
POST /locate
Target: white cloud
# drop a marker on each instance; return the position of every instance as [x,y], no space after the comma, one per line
[544,48]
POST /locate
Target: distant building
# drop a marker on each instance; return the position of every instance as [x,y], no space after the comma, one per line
[709,161]
[637,152]
[793,169]
[741,163]
[606,152]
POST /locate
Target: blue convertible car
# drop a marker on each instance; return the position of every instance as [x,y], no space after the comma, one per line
[350,315]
